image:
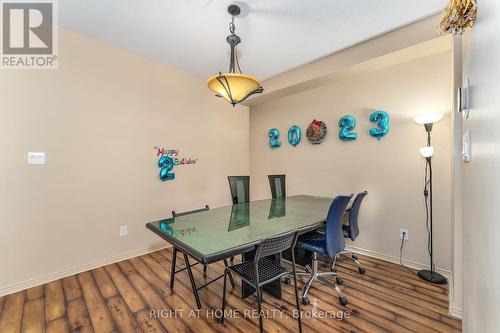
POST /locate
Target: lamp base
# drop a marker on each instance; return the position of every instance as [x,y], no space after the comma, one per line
[432,277]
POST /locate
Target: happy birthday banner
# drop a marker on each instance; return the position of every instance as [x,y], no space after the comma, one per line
[170,158]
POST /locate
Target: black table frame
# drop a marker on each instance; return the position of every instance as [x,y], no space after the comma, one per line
[246,250]
[187,266]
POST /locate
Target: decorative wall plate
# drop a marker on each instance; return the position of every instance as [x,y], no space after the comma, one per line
[316,131]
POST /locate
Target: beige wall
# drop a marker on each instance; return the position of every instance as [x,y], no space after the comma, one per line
[97,118]
[391,170]
[402,40]
[482,176]
[457,284]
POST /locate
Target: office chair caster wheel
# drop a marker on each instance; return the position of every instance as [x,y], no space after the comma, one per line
[339,280]
[343,301]
[362,271]
[287,280]
[355,257]
[305,301]
[334,270]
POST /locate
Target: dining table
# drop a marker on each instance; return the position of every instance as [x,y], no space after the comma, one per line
[218,234]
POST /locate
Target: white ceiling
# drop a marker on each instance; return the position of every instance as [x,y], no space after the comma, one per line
[277,35]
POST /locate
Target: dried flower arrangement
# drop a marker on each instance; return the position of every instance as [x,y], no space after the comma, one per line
[459,15]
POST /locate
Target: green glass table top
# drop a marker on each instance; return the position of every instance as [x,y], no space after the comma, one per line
[223,228]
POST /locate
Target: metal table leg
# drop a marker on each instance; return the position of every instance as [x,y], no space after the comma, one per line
[193,283]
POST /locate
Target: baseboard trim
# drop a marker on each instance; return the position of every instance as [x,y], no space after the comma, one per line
[79,269]
[395,260]
[456,312]
[453,310]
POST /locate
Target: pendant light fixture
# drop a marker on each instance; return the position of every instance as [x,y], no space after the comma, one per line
[234,86]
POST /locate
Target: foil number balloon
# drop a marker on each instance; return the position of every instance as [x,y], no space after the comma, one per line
[166,164]
[274,135]
[347,123]
[294,135]
[382,120]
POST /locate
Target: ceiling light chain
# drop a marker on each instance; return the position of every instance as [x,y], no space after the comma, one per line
[232,27]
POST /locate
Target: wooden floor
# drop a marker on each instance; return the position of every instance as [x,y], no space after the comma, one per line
[118,298]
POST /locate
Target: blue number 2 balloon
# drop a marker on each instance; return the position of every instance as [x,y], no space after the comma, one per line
[347,123]
[274,135]
[294,135]
[382,120]
[166,164]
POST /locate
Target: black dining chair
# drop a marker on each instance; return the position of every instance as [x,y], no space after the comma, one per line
[261,270]
[277,184]
[351,230]
[173,270]
[240,188]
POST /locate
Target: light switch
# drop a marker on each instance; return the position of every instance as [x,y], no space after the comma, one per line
[466,149]
[36,158]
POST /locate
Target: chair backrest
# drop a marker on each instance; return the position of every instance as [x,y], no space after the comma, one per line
[334,236]
[354,213]
[174,214]
[276,244]
[240,188]
[277,183]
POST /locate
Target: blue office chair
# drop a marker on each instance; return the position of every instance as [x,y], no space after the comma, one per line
[329,244]
[351,230]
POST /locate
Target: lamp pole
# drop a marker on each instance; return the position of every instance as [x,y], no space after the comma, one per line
[430,211]
[430,275]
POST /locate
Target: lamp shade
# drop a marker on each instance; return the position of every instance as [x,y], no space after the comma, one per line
[234,87]
[429,118]
[427,151]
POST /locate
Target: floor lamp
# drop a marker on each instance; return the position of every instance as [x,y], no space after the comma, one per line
[427,152]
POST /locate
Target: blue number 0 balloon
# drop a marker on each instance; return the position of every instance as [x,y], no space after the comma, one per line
[347,123]
[294,135]
[166,164]
[274,135]
[382,120]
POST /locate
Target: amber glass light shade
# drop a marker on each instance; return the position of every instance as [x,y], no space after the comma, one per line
[234,87]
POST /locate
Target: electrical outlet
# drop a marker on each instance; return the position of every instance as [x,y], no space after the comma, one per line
[123,230]
[405,232]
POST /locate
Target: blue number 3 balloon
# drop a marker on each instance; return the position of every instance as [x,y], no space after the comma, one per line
[294,135]
[166,164]
[347,123]
[274,134]
[382,120]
